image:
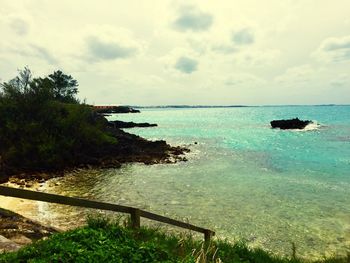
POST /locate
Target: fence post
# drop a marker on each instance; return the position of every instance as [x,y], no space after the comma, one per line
[135,218]
[207,236]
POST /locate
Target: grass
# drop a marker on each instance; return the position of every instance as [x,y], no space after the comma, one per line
[105,241]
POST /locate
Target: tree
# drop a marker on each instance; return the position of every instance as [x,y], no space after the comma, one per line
[22,81]
[65,87]
[18,85]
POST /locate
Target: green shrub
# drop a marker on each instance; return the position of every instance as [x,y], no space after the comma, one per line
[103,240]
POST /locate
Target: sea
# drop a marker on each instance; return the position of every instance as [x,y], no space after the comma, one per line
[271,188]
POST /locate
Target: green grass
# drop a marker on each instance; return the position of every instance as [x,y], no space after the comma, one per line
[105,241]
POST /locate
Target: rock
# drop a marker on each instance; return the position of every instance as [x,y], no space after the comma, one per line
[6,245]
[21,182]
[29,184]
[122,124]
[115,109]
[20,229]
[21,240]
[290,124]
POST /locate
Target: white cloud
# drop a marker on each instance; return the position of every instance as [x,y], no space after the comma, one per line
[30,51]
[109,43]
[258,57]
[186,65]
[334,49]
[19,25]
[101,50]
[341,81]
[244,80]
[224,48]
[180,61]
[191,18]
[244,36]
[299,74]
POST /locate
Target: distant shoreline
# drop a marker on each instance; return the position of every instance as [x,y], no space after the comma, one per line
[229,106]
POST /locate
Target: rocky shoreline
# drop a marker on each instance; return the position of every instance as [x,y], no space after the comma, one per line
[130,148]
[123,124]
[115,109]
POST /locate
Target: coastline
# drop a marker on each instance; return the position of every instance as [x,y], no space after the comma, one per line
[129,149]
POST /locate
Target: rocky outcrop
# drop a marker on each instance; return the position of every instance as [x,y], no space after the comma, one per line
[17,231]
[290,124]
[129,148]
[117,109]
[123,124]
[133,148]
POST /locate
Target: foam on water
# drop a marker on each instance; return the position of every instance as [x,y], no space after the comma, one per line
[311,126]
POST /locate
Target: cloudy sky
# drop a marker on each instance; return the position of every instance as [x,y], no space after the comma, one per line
[184,52]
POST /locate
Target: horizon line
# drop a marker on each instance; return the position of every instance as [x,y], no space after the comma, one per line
[230,106]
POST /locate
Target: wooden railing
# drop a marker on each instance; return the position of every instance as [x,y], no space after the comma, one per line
[135,213]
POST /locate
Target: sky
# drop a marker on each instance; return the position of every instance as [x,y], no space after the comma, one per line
[159,52]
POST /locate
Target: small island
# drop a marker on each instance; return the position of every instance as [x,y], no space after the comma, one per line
[290,124]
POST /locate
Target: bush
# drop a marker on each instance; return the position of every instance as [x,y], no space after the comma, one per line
[103,240]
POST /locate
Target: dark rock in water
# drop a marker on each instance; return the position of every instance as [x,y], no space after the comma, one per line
[290,124]
[123,124]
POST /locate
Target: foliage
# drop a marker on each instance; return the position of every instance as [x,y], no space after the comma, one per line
[39,130]
[65,87]
[106,241]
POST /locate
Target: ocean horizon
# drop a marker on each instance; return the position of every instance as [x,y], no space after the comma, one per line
[233,106]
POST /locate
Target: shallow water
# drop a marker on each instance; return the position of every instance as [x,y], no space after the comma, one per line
[243,179]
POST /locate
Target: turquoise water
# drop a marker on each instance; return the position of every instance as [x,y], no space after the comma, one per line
[243,179]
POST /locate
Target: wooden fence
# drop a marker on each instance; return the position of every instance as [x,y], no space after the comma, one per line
[135,213]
